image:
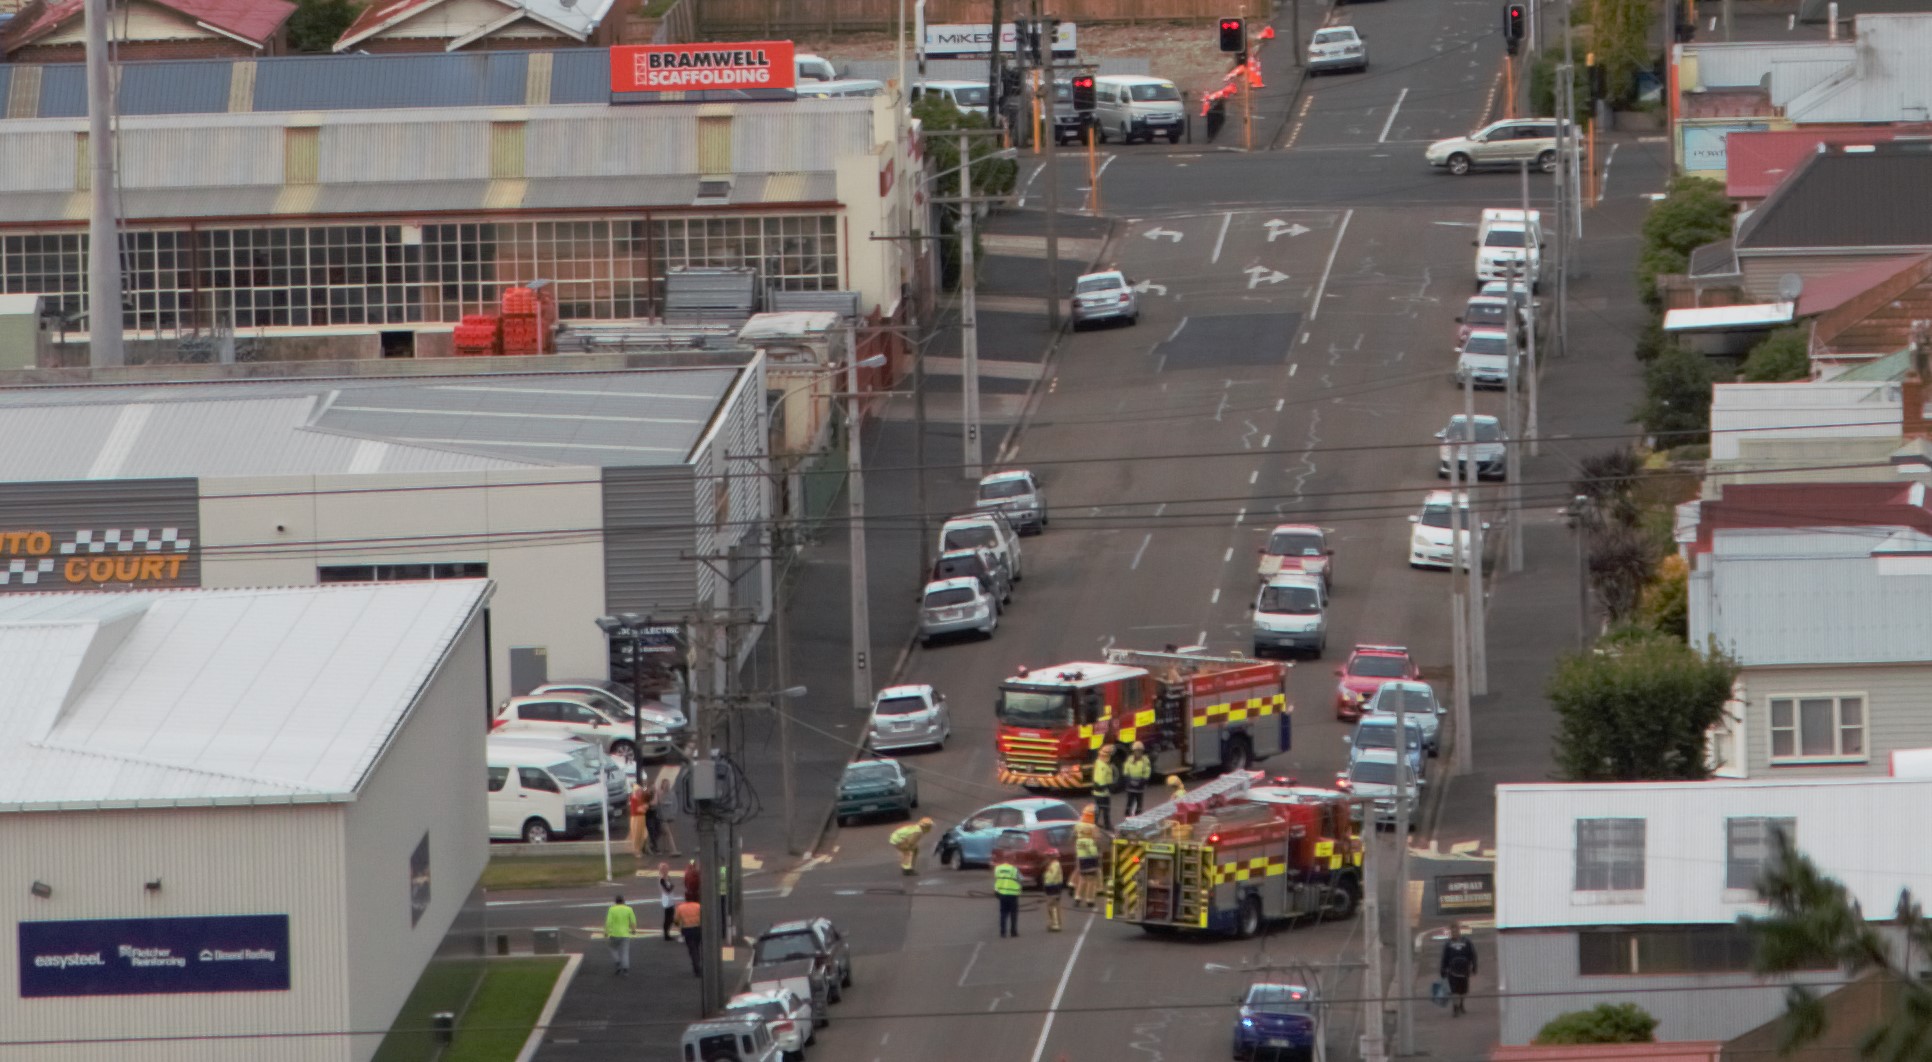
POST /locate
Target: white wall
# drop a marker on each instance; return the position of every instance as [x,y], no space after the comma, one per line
[273,859]
[1743,413]
[430,781]
[539,530]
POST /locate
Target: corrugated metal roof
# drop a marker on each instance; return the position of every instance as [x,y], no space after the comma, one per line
[1889,369]
[376,82]
[1745,64]
[170,88]
[1810,597]
[214,696]
[6,76]
[1889,80]
[1716,259]
[1698,318]
[63,91]
[1856,198]
[580,75]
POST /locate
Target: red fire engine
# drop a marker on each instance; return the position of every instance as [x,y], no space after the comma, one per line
[1193,712]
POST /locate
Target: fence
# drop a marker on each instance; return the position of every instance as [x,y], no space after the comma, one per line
[678,24]
[754,17]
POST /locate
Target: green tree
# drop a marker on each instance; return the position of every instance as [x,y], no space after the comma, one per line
[1783,355]
[1622,561]
[1666,601]
[991,176]
[1543,83]
[1620,36]
[1605,1023]
[317,24]
[1637,711]
[1607,482]
[1677,398]
[1693,212]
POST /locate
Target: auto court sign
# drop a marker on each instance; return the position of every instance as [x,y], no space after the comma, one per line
[744,70]
[88,536]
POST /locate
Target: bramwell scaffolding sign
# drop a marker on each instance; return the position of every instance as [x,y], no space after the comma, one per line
[154,956]
[750,70]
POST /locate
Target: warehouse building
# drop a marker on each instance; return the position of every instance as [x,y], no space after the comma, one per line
[579,493]
[235,824]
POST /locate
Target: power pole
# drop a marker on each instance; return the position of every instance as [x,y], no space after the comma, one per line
[1565,146]
[1404,952]
[1049,143]
[782,631]
[705,797]
[919,452]
[1462,537]
[968,314]
[1375,998]
[1512,426]
[855,515]
[104,323]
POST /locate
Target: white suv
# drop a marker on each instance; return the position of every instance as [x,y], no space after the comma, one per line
[1018,495]
[988,529]
[909,717]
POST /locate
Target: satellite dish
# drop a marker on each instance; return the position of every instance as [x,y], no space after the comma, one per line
[1790,286]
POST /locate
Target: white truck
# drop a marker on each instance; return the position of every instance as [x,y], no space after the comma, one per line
[1509,246]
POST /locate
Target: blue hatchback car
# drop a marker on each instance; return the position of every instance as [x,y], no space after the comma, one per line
[971,842]
[1277,1021]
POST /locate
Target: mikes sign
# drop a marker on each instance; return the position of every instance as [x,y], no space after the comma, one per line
[761,67]
[970,41]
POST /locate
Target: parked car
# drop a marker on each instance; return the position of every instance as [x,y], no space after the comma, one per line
[1372,779]
[1434,541]
[1276,1021]
[1298,548]
[1069,122]
[1030,847]
[909,717]
[970,843]
[876,787]
[1016,493]
[845,88]
[537,794]
[1137,107]
[1291,615]
[1104,296]
[1419,703]
[738,1038]
[1479,447]
[971,97]
[1491,313]
[814,68]
[957,606]
[1337,48]
[1505,143]
[988,529]
[562,716]
[815,940]
[786,1015]
[978,564]
[614,700]
[1378,732]
[617,781]
[1368,667]
[1483,360]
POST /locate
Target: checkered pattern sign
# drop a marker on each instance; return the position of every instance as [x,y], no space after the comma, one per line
[99,535]
[1249,869]
[29,571]
[1238,711]
[116,540]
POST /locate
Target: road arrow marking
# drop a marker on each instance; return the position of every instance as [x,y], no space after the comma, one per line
[1276,227]
[1157,233]
[1145,286]
[1258,275]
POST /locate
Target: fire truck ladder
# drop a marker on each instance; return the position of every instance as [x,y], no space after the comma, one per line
[1228,787]
[1186,662]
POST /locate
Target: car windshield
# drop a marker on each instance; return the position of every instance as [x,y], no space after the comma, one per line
[1414,700]
[720,1047]
[1003,488]
[1481,343]
[1486,431]
[1279,999]
[1372,772]
[957,567]
[951,597]
[1294,600]
[764,1009]
[970,97]
[1295,544]
[1482,313]
[571,773]
[1062,91]
[1055,813]
[1087,284]
[1154,92]
[972,536]
[901,705]
[785,948]
[1036,708]
[1383,737]
[874,773]
[1435,516]
[1334,37]
[1377,666]
[1504,238]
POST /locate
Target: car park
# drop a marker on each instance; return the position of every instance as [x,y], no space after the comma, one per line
[1291,615]
[1505,143]
[1483,360]
[957,606]
[786,1015]
[1300,548]
[1104,296]
[1017,494]
[1419,703]
[987,529]
[1031,848]
[1367,668]
[1337,48]
[977,564]
[1137,107]
[614,700]
[733,1038]
[970,844]
[872,787]
[1276,1021]
[568,717]
[1434,539]
[1477,448]
[909,717]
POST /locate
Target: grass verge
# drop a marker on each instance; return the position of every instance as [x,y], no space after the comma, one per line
[504,1010]
[550,872]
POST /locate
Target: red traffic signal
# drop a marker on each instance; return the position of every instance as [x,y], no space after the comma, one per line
[1234,35]
[1513,22]
[1083,97]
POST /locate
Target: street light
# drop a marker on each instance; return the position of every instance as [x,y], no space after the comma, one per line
[632,630]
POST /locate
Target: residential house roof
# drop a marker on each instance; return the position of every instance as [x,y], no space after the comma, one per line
[567,17]
[1861,198]
[197,697]
[1822,294]
[1713,261]
[1876,315]
[1889,369]
[1756,161]
[252,22]
[1888,81]
[1788,506]
[1748,64]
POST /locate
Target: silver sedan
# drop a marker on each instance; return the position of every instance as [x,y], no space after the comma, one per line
[1104,297]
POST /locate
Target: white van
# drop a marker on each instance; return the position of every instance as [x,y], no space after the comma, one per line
[1133,107]
[988,530]
[733,1038]
[1509,246]
[537,794]
[839,90]
[617,781]
[814,68]
[1291,615]
[971,97]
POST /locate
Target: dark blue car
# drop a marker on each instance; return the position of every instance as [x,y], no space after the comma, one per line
[1276,1022]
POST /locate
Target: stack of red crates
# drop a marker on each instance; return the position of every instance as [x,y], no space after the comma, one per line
[527,314]
[479,336]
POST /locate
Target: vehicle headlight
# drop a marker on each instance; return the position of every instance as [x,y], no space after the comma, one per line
[1419,542]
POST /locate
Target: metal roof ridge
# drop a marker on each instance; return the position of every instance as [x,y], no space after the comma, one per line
[294,788]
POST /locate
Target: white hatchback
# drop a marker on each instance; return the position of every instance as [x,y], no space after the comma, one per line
[1433,539]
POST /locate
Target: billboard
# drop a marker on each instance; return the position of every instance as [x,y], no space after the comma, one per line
[974,40]
[99,535]
[1461,894]
[745,70]
[1704,145]
[154,956]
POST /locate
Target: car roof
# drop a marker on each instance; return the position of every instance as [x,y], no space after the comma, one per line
[955,583]
[1102,274]
[1363,755]
[952,82]
[1481,418]
[1406,684]
[1001,477]
[1334,29]
[981,516]
[871,760]
[1490,333]
[779,929]
[1311,528]
[1384,650]
[1303,989]
[1134,79]
[725,1025]
[909,690]
[1442,497]
[1023,804]
[1294,579]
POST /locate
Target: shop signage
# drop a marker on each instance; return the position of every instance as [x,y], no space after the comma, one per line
[154,956]
[124,535]
[1704,148]
[743,70]
[1465,894]
[971,41]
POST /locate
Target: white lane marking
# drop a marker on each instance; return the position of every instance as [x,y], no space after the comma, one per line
[885,1039]
[1240,515]
[1226,220]
[1223,407]
[1264,441]
[1145,539]
[1252,476]
[1291,372]
[1215,598]
[969,962]
[1386,126]
[1029,182]
[1177,330]
[1159,509]
[1228,556]
[1108,161]
[1321,289]
[790,881]
[1603,182]
[1304,337]
[1201,638]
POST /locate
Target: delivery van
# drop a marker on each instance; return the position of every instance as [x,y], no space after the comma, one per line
[537,794]
[1135,107]
[617,780]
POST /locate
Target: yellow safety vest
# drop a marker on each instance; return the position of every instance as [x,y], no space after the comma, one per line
[1085,848]
[1103,775]
[1053,874]
[905,835]
[1006,880]
[1139,769]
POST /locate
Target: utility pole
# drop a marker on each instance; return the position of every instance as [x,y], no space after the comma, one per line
[1582,529]
[1461,537]
[919,452]
[1512,422]
[1050,143]
[1404,951]
[1473,566]
[1375,999]
[1294,31]
[104,323]
[1565,147]
[705,798]
[782,631]
[855,515]
[968,315]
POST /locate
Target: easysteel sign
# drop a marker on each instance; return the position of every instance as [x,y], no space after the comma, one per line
[154,956]
[750,69]
[970,41]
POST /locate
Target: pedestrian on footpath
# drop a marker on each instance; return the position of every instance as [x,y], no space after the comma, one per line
[906,839]
[1006,886]
[693,881]
[1135,772]
[668,895]
[1104,775]
[1053,883]
[661,806]
[640,801]
[690,917]
[620,925]
[1086,864]
[1458,966]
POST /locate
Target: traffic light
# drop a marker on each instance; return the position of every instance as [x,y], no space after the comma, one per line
[1512,26]
[1234,35]
[1083,93]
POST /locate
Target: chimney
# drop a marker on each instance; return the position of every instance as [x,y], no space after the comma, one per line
[1912,389]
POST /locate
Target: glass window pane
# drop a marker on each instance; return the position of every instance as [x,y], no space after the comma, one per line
[1815,727]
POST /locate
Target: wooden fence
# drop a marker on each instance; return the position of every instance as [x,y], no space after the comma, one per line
[745,18]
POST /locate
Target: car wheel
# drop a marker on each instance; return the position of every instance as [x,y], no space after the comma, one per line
[1260,652]
[625,753]
[845,976]
[1174,138]
[1459,164]
[1342,900]
[1546,162]
[1239,757]
[925,642]
[1320,648]
[1250,924]
[844,821]
[1133,319]
[833,995]
[536,831]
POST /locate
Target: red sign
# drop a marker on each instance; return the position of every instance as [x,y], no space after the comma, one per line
[698,67]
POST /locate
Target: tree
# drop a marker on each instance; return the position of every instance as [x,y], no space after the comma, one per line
[1666,601]
[1676,408]
[1693,212]
[1638,710]
[1621,560]
[317,24]
[1608,485]
[1816,923]
[991,176]
[1783,355]
[1605,1023]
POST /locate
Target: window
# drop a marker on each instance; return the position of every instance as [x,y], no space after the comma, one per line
[1748,845]
[1007,818]
[539,711]
[1609,855]
[536,778]
[498,776]
[1818,727]
[400,573]
[1678,950]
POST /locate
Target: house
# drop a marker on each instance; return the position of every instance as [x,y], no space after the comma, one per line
[1634,890]
[1887,80]
[1844,209]
[1878,315]
[1757,161]
[51,31]
[1728,87]
[480,25]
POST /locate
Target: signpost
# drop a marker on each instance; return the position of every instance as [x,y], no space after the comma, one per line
[975,40]
[1465,894]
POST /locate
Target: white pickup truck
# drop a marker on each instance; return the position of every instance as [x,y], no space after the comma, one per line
[1509,246]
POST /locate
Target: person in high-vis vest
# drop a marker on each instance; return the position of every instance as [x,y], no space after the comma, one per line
[1104,775]
[1135,773]
[906,839]
[1086,862]
[1053,882]
[1006,886]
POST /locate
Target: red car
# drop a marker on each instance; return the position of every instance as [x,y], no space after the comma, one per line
[1030,847]
[1368,667]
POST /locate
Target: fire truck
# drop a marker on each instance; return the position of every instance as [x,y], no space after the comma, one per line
[1193,712]
[1223,861]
